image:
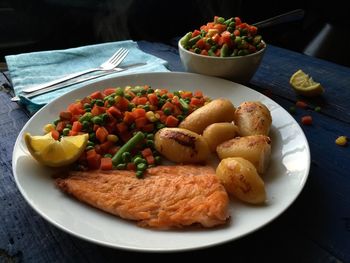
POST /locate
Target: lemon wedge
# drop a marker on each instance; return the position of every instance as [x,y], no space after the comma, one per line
[303,84]
[48,151]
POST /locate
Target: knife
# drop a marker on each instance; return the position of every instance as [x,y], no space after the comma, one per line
[75,81]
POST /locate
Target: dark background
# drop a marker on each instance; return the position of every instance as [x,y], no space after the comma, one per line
[32,25]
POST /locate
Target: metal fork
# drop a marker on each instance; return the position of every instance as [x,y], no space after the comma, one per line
[111,63]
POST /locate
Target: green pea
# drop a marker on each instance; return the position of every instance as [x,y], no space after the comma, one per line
[86,117]
[150,136]
[92,136]
[119,92]
[121,166]
[211,53]
[158,159]
[90,143]
[150,90]
[86,125]
[146,107]
[126,156]
[180,117]
[108,155]
[69,126]
[100,103]
[88,148]
[167,111]
[128,97]
[139,174]
[150,143]
[139,160]
[56,121]
[65,131]
[97,120]
[87,105]
[160,126]
[220,20]
[197,50]
[141,167]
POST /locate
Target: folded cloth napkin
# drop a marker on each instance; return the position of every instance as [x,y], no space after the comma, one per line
[40,67]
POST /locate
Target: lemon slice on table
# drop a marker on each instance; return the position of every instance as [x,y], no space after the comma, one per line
[303,84]
[48,151]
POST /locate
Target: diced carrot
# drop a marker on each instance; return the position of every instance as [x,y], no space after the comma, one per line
[131,166]
[106,163]
[141,100]
[204,52]
[77,126]
[72,133]
[196,102]
[153,99]
[195,33]
[109,91]
[301,104]
[114,111]
[306,120]
[148,127]
[140,122]
[55,134]
[60,126]
[97,95]
[171,121]
[138,112]
[105,146]
[76,108]
[128,117]
[150,159]
[101,134]
[122,127]
[146,152]
[65,115]
[95,127]
[93,159]
[123,104]
[97,110]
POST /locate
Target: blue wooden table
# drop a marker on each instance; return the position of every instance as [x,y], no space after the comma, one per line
[316,228]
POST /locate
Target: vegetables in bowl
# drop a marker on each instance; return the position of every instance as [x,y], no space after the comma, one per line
[224,38]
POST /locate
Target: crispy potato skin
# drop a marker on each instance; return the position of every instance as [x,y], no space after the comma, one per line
[217,133]
[240,178]
[219,110]
[181,145]
[254,148]
[252,118]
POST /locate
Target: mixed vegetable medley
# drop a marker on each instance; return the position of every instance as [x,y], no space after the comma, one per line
[121,123]
[224,38]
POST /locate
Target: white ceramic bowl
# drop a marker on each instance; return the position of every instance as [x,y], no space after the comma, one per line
[238,69]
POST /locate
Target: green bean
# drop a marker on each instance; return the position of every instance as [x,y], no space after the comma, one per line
[211,53]
[224,51]
[185,39]
[193,40]
[184,105]
[127,147]
[141,167]
[119,92]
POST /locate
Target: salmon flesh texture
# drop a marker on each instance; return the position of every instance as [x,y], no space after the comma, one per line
[167,196]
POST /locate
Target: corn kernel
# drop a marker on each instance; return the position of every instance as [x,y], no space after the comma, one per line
[117,99]
[151,116]
[341,140]
[112,138]
[49,127]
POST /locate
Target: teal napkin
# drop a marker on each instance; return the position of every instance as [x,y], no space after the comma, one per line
[40,67]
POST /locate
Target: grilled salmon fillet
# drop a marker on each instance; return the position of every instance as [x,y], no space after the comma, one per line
[167,197]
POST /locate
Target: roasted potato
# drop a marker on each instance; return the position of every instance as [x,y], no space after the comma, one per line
[252,118]
[217,133]
[181,145]
[240,178]
[219,110]
[254,148]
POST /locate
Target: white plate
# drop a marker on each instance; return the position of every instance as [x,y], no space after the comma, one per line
[284,179]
